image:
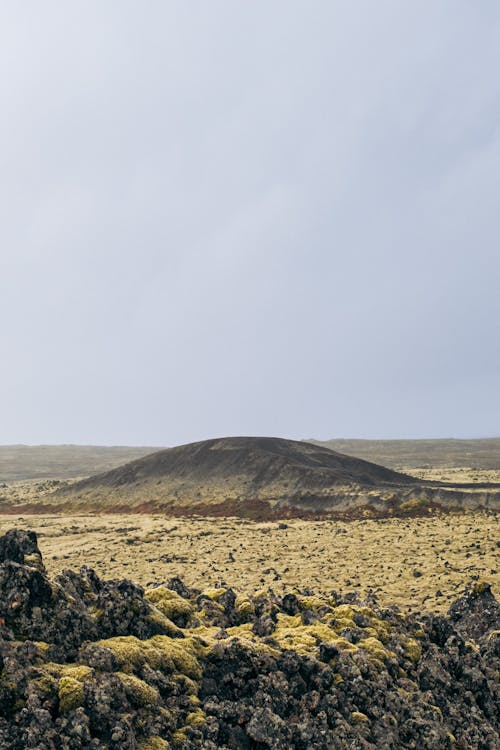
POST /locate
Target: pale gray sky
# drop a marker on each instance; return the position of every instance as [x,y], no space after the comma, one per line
[235,217]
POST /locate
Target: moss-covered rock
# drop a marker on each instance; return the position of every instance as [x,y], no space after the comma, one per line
[138,691]
[170,604]
[70,693]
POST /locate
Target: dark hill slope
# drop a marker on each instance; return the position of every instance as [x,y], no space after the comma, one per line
[243,475]
[262,460]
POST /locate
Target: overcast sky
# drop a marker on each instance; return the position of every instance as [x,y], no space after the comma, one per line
[231,217]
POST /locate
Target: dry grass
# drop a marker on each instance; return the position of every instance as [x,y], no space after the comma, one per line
[410,562]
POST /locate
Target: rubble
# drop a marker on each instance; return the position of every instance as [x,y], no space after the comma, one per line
[89,664]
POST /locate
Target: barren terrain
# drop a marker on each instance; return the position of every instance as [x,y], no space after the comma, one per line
[418,562]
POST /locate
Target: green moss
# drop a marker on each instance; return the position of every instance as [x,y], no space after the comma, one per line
[412,650]
[343,617]
[43,648]
[169,602]
[292,634]
[245,635]
[186,685]
[214,594]
[70,692]
[159,652]
[312,602]
[359,718]
[179,737]
[375,648]
[46,684]
[138,691]
[78,672]
[154,743]
[69,678]
[162,622]
[244,606]
[196,718]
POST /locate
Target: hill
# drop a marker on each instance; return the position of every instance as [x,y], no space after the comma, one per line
[235,475]
[259,477]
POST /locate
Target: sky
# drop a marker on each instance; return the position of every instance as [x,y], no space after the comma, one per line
[232,218]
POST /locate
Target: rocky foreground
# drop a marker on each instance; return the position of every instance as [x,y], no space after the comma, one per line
[91,664]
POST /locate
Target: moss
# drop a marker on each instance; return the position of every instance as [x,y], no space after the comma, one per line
[292,634]
[414,504]
[196,718]
[71,678]
[359,718]
[169,602]
[138,691]
[158,619]
[412,650]
[244,606]
[312,602]
[186,685]
[344,611]
[43,649]
[78,672]
[46,684]
[374,648]
[179,737]
[159,652]
[247,638]
[343,617]
[42,646]
[70,692]
[213,593]
[154,743]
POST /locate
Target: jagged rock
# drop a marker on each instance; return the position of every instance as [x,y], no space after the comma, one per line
[21,547]
[88,664]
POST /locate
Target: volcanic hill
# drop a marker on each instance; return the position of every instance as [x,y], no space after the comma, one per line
[239,475]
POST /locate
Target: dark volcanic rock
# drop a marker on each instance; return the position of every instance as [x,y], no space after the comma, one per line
[21,547]
[87,664]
